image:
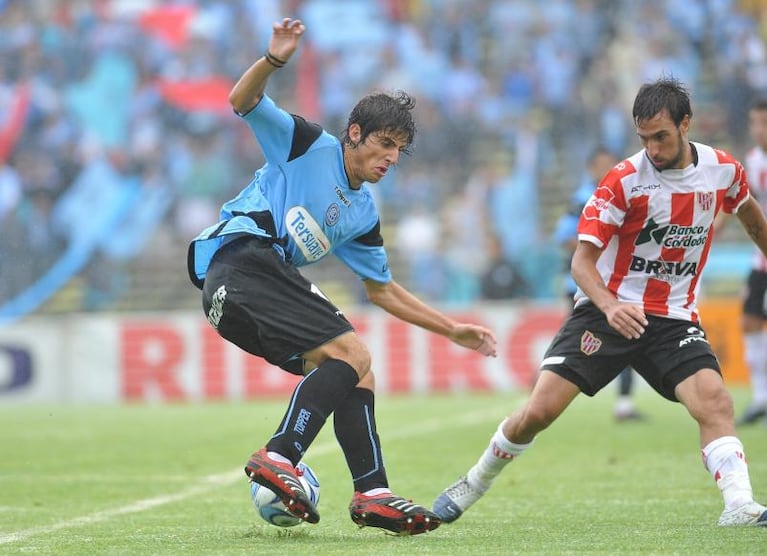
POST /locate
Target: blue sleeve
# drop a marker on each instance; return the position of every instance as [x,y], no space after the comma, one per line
[273,128]
[369,262]
[566,228]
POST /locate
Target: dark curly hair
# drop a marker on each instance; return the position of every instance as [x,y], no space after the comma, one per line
[667,93]
[383,112]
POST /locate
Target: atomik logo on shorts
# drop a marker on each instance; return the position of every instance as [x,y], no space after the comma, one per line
[694,334]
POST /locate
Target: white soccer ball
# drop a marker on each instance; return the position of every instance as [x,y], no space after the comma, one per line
[269,507]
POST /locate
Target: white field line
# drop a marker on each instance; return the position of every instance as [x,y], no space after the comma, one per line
[211,482]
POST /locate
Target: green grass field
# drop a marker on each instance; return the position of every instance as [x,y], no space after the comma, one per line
[169,480]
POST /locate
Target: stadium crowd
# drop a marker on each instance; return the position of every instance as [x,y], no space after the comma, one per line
[115,129]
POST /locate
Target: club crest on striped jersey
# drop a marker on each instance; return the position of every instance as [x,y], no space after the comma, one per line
[705,199]
[590,344]
[307,234]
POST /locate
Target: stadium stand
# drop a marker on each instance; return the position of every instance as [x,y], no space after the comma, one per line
[117,143]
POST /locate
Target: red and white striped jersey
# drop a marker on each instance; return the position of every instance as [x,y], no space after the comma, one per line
[656,228]
[756,170]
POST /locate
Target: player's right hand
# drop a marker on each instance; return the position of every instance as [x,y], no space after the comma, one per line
[628,319]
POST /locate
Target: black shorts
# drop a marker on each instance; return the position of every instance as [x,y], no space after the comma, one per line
[588,352]
[265,306]
[755,302]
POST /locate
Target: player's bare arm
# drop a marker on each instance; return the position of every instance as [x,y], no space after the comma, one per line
[250,88]
[628,319]
[753,220]
[397,301]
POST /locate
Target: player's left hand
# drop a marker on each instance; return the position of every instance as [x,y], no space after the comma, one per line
[475,337]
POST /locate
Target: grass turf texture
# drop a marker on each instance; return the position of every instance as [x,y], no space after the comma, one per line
[169,480]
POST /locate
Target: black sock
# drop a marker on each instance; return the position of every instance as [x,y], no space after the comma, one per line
[355,427]
[315,397]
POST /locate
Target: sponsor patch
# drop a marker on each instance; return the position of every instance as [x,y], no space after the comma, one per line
[307,234]
[590,344]
[217,307]
[600,201]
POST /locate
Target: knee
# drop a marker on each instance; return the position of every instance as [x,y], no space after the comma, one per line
[536,417]
[355,353]
[368,381]
[720,402]
[712,406]
[347,348]
[360,359]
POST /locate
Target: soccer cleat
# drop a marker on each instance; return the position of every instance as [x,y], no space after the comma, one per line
[626,416]
[752,514]
[752,415]
[456,499]
[392,513]
[282,479]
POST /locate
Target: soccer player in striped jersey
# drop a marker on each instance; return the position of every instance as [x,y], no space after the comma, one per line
[600,162]
[310,199]
[644,238]
[755,300]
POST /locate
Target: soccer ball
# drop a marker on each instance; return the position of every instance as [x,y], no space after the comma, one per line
[269,507]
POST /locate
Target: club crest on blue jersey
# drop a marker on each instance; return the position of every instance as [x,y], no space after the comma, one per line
[332,214]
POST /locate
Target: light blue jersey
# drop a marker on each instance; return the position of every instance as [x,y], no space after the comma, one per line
[300,199]
[566,228]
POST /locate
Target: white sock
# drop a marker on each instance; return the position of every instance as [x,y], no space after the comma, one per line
[499,452]
[755,346]
[726,461]
[624,405]
[377,491]
[278,457]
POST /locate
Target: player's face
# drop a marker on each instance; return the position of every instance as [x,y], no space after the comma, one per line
[757,127]
[369,161]
[665,144]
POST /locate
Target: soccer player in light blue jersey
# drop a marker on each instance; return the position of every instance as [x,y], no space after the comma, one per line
[310,199]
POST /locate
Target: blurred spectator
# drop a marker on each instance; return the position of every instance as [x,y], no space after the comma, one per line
[203,176]
[501,279]
[528,79]
[418,240]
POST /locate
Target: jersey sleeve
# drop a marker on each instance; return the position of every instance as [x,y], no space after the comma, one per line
[604,212]
[369,263]
[273,128]
[366,256]
[738,192]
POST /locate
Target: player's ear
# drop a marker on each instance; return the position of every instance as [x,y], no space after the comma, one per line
[355,132]
[684,125]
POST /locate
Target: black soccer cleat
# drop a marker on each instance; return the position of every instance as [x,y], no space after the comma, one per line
[282,479]
[392,513]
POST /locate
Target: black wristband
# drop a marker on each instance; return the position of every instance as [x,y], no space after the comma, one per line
[273,60]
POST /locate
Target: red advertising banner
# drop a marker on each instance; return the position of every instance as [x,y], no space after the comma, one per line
[179,358]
